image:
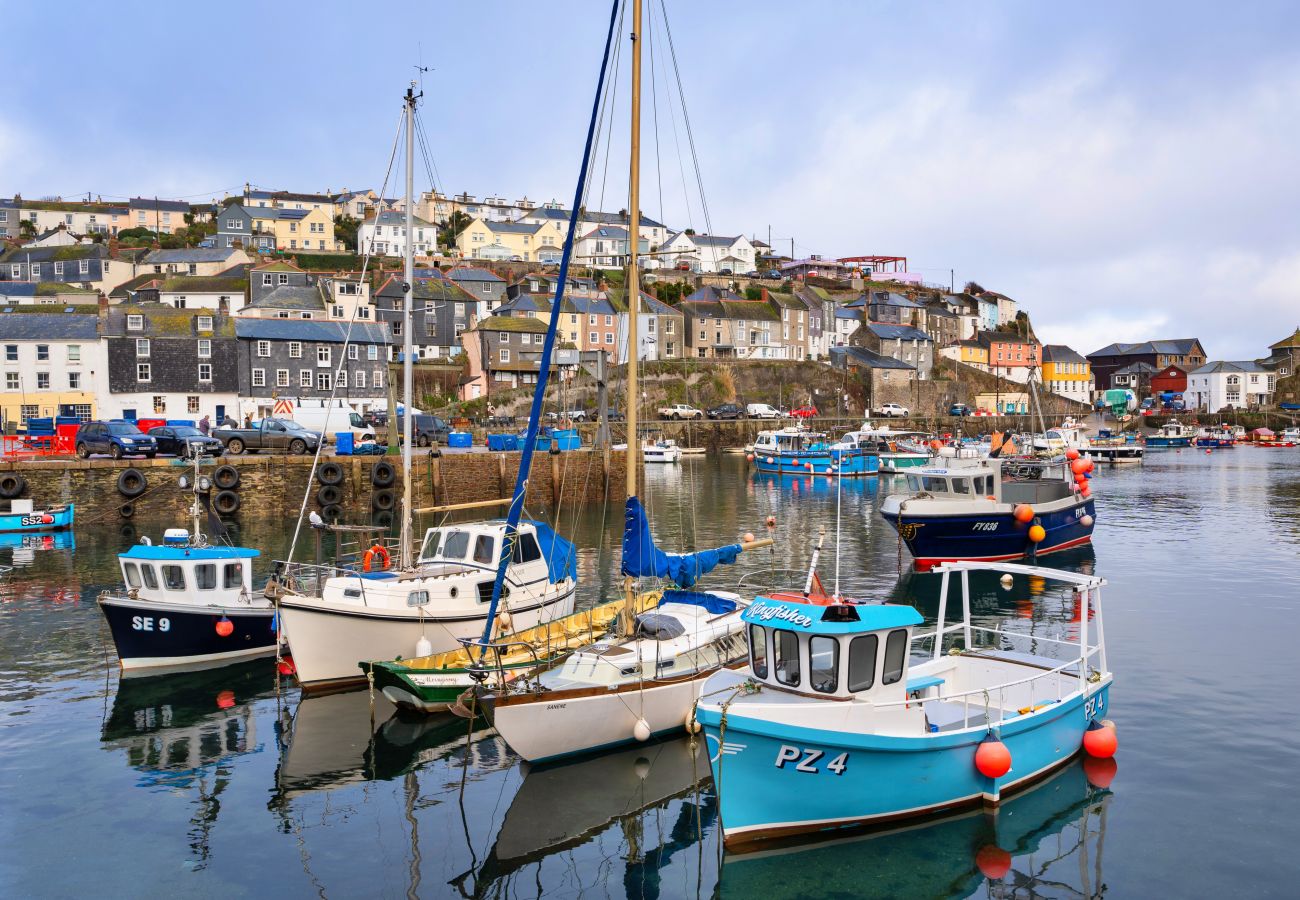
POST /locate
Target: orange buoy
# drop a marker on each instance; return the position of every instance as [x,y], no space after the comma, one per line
[1079,466]
[749,457]
[747,537]
[225,699]
[808,466]
[225,627]
[1100,740]
[1071,454]
[1037,533]
[771,521]
[992,758]
[1085,489]
[1023,512]
[994,863]
[376,556]
[1208,451]
[1091,465]
[1099,772]
[1081,478]
[286,666]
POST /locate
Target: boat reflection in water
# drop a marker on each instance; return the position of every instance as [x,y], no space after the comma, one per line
[562,807]
[25,546]
[1046,841]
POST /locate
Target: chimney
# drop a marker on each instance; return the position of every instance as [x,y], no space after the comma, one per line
[766,299]
[103,304]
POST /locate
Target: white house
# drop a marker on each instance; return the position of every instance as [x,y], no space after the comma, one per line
[1228,385]
[384,234]
[53,364]
[606,246]
[707,253]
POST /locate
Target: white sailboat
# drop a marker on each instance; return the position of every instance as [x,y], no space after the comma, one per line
[428,602]
[642,681]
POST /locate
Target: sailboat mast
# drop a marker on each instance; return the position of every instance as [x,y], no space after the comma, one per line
[632,283]
[408,288]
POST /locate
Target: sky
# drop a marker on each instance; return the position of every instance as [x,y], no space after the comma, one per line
[1126,171]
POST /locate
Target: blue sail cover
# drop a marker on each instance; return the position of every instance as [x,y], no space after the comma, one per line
[561,558]
[641,558]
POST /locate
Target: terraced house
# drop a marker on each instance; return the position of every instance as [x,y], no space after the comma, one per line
[87,265]
[441,312]
[721,324]
[1066,373]
[52,363]
[524,241]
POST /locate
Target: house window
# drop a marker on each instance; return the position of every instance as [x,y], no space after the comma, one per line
[609,337]
[15,272]
[263,348]
[11,381]
[234,224]
[192,403]
[29,411]
[259,378]
[352,351]
[591,319]
[205,372]
[43,353]
[323,356]
[304,378]
[83,267]
[360,378]
[159,403]
[295,349]
[378,378]
[284,278]
[43,381]
[205,349]
[36,271]
[58,269]
[142,372]
[281,377]
[342,380]
[203,323]
[372,352]
[266,279]
[323,381]
[505,354]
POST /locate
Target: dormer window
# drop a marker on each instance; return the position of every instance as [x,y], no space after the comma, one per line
[135,323]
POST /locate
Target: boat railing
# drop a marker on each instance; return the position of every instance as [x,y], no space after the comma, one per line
[308,579]
[777,579]
[499,650]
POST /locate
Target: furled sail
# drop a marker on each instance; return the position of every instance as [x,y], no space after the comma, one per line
[641,558]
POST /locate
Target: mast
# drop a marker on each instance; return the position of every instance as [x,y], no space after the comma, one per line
[408,289]
[633,286]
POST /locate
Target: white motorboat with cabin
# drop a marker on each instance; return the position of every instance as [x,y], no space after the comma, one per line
[663,450]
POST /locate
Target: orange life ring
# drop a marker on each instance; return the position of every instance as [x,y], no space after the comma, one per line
[374,551]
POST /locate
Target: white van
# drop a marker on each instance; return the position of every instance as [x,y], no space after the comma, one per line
[342,418]
[762,411]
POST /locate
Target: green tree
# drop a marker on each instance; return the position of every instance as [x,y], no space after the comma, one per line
[26,229]
[345,230]
[452,228]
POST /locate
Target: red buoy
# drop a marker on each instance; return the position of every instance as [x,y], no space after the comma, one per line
[1099,772]
[1023,513]
[992,758]
[225,699]
[1079,466]
[993,862]
[47,519]
[225,627]
[286,666]
[1100,740]
[1071,454]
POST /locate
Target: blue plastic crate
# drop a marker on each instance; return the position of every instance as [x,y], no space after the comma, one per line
[461,440]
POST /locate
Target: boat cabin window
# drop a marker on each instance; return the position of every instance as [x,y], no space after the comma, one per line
[205,576]
[173,578]
[787,656]
[935,485]
[961,485]
[234,576]
[417,598]
[455,546]
[913,483]
[758,650]
[824,663]
[431,541]
[483,546]
[132,574]
[895,655]
[862,662]
[526,549]
[150,576]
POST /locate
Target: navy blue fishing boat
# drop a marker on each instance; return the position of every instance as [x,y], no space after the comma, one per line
[987,510]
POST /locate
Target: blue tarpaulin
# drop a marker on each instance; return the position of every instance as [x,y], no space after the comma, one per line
[641,558]
[561,558]
[711,602]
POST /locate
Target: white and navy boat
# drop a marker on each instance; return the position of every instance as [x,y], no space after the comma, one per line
[1171,434]
[966,508]
[845,717]
[795,451]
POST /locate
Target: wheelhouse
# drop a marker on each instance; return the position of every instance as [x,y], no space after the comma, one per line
[789,440]
[212,575]
[839,651]
[477,544]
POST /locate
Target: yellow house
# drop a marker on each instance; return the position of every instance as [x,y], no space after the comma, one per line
[1067,373]
[295,229]
[525,242]
[973,353]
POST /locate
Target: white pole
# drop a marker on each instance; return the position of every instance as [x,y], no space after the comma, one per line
[943,615]
[1083,643]
[1101,635]
[965,604]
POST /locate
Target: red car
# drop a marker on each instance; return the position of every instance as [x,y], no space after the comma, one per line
[804,412]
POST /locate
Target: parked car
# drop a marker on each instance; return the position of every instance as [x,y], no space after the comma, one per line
[425,429]
[725,411]
[893,411]
[185,440]
[752,273]
[680,411]
[762,411]
[725,272]
[269,434]
[959,409]
[683,267]
[616,416]
[499,421]
[773,274]
[117,439]
[804,412]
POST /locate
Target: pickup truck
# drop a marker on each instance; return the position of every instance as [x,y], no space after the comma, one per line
[269,434]
[680,411]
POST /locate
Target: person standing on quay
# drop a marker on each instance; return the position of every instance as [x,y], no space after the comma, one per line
[205,426]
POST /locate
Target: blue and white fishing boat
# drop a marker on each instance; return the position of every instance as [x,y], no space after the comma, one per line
[1171,434]
[795,451]
[836,723]
[966,508]
[23,518]
[186,601]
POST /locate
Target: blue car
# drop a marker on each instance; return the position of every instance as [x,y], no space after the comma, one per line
[117,439]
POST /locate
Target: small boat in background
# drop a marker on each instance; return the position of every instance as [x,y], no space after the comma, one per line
[1292,435]
[1115,449]
[796,451]
[1266,437]
[22,517]
[1171,434]
[1215,437]
[663,450]
[1068,435]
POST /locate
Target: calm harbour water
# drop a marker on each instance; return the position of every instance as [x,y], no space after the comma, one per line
[216,784]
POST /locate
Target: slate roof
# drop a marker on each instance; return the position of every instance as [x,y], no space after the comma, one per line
[863,357]
[430,288]
[58,254]
[1174,347]
[290,195]
[605,218]
[889,298]
[1136,368]
[511,323]
[1227,367]
[205,284]
[613,232]
[473,273]
[649,304]
[150,204]
[513,227]
[49,326]
[738,308]
[897,332]
[164,321]
[391,217]
[17,289]
[310,330]
[189,255]
[1059,353]
[290,296]
[277,266]
[711,294]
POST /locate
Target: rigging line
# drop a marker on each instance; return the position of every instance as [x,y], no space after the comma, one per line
[677,144]
[686,118]
[365,264]
[654,102]
[430,164]
[612,97]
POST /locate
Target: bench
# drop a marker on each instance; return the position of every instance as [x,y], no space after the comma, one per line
[915,686]
[941,715]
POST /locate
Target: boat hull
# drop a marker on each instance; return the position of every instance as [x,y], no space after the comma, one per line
[329,640]
[1118,455]
[430,692]
[823,462]
[898,462]
[991,536]
[57,518]
[151,635]
[1158,441]
[765,791]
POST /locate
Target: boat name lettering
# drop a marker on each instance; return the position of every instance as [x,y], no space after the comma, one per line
[145,623]
[556,705]
[985,526]
[33,520]
[765,612]
[810,758]
[1094,707]
[437,680]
